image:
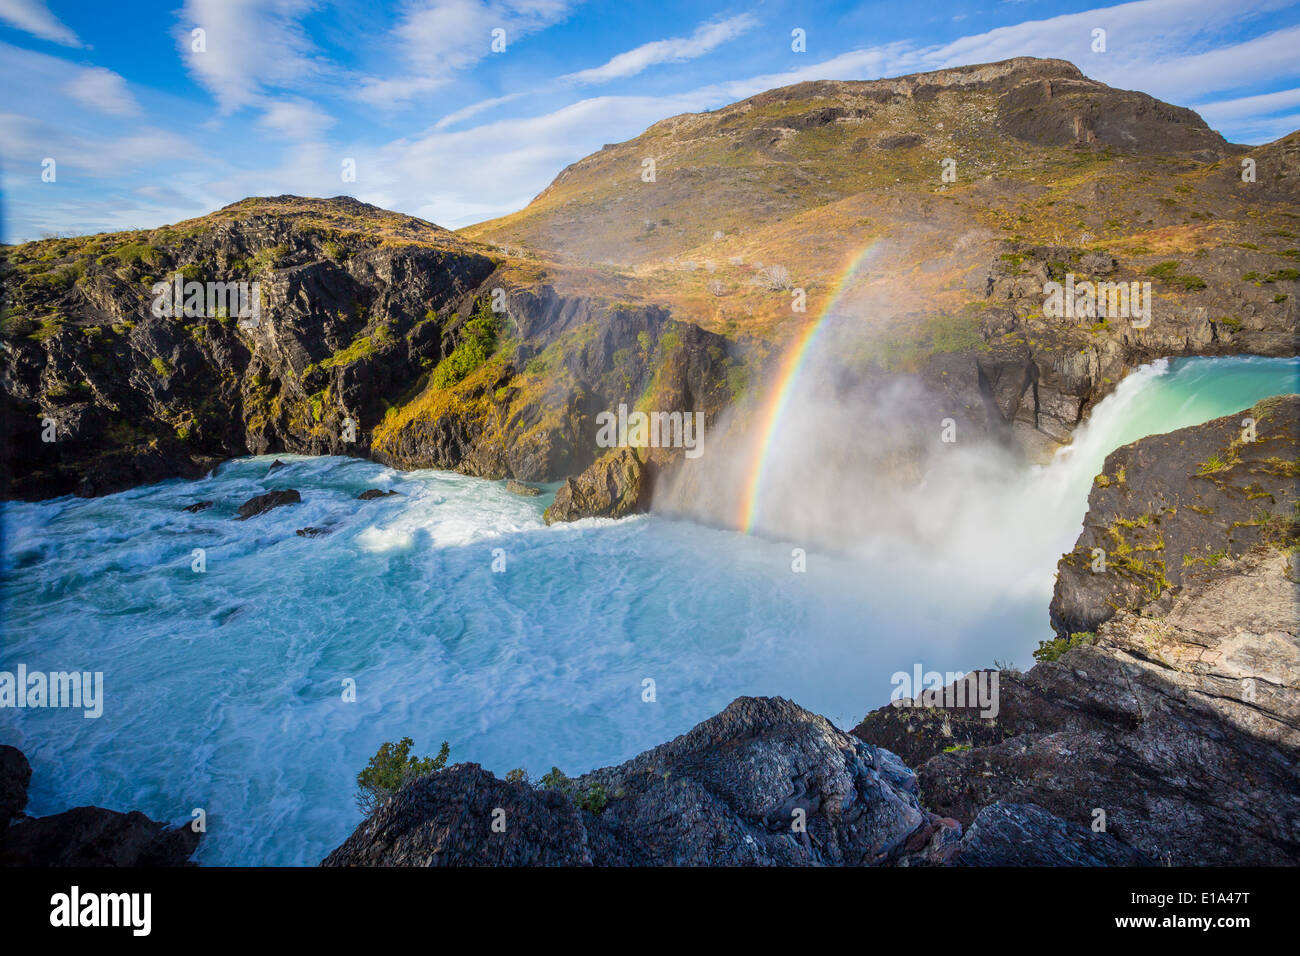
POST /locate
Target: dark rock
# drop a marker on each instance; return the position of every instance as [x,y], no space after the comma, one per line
[310,532]
[84,836]
[275,465]
[15,775]
[93,836]
[370,494]
[519,488]
[728,792]
[198,506]
[899,141]
[260,504]
[446,820]
[1021,834]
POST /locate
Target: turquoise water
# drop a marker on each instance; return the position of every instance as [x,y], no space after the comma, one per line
[224,689]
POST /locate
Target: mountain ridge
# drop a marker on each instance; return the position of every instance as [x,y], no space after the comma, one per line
[369,313]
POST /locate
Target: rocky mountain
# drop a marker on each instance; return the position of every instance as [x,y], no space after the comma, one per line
[1170,735]
[492,351]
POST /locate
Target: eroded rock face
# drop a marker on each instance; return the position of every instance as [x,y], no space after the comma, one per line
[1021,834]
[1170,505]
[83,836]
[726,793]
[612,487]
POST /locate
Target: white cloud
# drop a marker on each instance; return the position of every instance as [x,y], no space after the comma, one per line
[706,38]
[435,40]
[250,46]
[297,120]
[460,115]
[32,16]
[1246,107]
[103,90]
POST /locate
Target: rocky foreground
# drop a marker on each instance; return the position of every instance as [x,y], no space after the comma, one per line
[82,836]
[1170,735]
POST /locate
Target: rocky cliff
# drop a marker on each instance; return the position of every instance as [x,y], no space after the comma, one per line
[491,351]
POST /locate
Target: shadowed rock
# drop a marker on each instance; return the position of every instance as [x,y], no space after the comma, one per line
[764,782]
[198,506]
[1021,834]
[15,775]
[83,836]
[260,504]
[370,494]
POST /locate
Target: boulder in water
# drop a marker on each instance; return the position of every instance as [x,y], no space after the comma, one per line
[370,494]
[260,504]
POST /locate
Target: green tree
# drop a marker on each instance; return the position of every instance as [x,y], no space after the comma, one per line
[391,767]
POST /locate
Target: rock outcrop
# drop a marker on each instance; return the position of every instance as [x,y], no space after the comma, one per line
[612,487]
[83,836]
[1177,504]
[764,783]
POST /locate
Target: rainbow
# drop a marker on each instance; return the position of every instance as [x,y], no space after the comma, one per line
[773,413]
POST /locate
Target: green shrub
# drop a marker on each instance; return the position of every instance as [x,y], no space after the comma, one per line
[391,767]
[1052,650]
[556,780]
[475,348]
[160,366]
[595,799]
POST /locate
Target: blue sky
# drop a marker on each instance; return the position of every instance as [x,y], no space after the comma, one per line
[145,130]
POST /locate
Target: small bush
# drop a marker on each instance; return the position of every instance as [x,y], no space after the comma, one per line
[1052,650]
[475,348]
[595,799]
[390,768]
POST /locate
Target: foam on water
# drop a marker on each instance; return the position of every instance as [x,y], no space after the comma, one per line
[223,690]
